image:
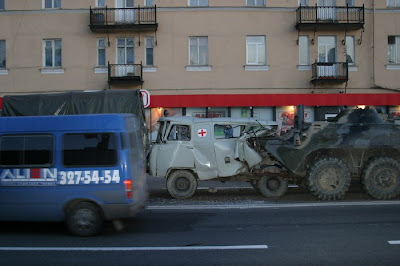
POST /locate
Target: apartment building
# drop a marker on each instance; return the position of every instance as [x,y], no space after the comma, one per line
[208,58]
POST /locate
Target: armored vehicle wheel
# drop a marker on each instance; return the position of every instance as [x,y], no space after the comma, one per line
[381,178]
[181,184]
[84,219]
[328,179]
[272,186]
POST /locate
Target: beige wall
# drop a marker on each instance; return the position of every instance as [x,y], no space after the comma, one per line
[226,26]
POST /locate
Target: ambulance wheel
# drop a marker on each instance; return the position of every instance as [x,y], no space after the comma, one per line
[84,219]
[272,186]
[181,184]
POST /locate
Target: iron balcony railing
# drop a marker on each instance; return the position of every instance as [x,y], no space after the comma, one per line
[333,72]
[137,18]
[323,16]
[125,74]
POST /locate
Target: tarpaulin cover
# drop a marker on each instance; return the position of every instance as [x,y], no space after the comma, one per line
[76,102]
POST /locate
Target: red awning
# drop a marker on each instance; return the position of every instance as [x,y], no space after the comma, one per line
[238,100]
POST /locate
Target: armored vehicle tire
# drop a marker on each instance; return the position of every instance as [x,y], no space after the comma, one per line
[381,178]
[84,219]
[272,186]
[181,184]
[328,179]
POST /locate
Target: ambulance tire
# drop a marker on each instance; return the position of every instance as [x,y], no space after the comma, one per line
[181,184]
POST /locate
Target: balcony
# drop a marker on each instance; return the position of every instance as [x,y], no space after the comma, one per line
[329,18]
[130,74]
[123,19]
[332,73]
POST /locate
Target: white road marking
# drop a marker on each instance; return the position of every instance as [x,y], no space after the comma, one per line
[237,187]
[267,205]
[239,247]
[394,242]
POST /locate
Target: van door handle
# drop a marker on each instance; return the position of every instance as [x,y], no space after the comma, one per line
[189,147]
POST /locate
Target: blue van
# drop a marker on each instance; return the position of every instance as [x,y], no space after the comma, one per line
[81,169]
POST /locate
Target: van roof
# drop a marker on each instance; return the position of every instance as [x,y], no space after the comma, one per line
[91,122]
[223,120]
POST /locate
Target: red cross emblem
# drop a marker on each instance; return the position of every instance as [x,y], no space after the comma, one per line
[202,133]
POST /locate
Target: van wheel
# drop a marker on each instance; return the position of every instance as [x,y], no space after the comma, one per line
[381,178]
[272,186]
[181,184]
[84,219]
[328,179]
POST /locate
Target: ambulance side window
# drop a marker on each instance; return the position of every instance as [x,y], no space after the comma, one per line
[26,150]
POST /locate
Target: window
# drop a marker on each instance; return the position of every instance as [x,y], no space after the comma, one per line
[198,51]
[149,3]
[304,51]
[89,149]
[326,49]
[52,53]
[179,132]
[198,2]
[394,49]
[350,2]
[255,54]
[100,3]
[393,3]
[52,3]
[23,150]
[125,51]
[350,50]
[227,131]
[303,2]
[255,2]
[2,4]
[101,52]
[149,43]
[2,54]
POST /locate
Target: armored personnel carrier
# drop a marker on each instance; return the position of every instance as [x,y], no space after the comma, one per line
[325,156]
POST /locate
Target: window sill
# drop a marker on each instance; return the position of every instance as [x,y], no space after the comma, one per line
[149,69]
[198,68]
[52,71]
[256,68]
[393,67]
[3,72]
[101,70]
[304,67]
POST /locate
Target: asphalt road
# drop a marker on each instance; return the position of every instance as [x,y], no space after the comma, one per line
[290,235]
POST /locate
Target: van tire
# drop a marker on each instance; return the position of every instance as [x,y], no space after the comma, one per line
[181,184]
[84,219]
[328,179]
[272,186]
[381,178]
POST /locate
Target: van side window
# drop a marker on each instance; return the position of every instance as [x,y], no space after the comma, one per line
[228,131]
[179,132]
[26,150]
[90,149]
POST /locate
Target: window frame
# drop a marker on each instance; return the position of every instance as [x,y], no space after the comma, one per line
[98,5]
[348,37]
[53,2]
[257,51]
[53,47]
[198,51]
[307,51]
[256,3]
[396,3]
[98,51]
[197,3]
[395,48]
[146,40]
[4,56]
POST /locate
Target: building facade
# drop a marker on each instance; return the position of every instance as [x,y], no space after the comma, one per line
[208,58]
